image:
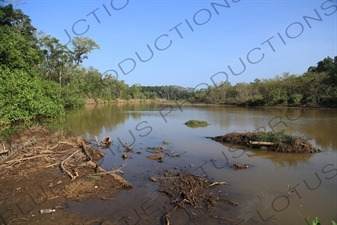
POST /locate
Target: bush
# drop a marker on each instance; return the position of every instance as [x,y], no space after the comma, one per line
[72,97]
[24,98]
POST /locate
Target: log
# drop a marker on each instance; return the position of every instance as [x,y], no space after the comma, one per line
[261,143]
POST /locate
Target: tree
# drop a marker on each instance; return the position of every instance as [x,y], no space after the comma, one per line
[60,61]
[81,47]
[326,65]
[56,57]
[16,52]
[16,19]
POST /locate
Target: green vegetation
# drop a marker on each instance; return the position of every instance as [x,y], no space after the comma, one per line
[316,221]
[197,123]
[279,137]
[93,177]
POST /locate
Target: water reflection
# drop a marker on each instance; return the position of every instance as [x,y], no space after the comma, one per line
[278,158]
[94,119]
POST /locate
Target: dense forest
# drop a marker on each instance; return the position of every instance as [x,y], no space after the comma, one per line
[41,78]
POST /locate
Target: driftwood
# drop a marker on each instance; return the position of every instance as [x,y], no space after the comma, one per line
[65,170]
[125,156]
[155,157]
[217,183]
[261,143]
[27,158]
[4,151]
[86,153]
[98,144]
[186,188]
[106,140]
[128,147]
[101,171]
[168,214]
[238,166]
[13,150]
[230,202]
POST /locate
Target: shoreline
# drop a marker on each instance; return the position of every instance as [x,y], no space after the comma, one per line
[171,102]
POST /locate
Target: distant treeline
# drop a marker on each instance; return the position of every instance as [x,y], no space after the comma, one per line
[315,88]
[40,77]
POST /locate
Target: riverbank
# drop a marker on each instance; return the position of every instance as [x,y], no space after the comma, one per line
[42,169]
[185,102]
[90,101]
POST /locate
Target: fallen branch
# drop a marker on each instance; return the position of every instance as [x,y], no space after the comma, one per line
[97,141]
[168,214]
[115,170]
[230,202]
[68,143]
[3,151]
[101,171]
[54,164]
[27,158]
[55,146]
[65,170]
[86,153]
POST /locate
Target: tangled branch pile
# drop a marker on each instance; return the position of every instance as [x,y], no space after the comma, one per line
[39,150]
[183,188]
[273,141]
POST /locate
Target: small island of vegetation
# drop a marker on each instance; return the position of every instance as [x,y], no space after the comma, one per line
[196,123]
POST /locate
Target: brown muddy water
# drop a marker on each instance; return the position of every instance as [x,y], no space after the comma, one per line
[261,190]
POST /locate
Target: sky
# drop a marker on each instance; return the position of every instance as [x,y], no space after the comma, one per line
[194,43]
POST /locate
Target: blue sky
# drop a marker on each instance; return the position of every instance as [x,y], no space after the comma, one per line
[220,37]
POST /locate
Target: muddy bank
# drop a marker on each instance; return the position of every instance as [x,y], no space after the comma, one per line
[42,169]
[48,171]
[277,142]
